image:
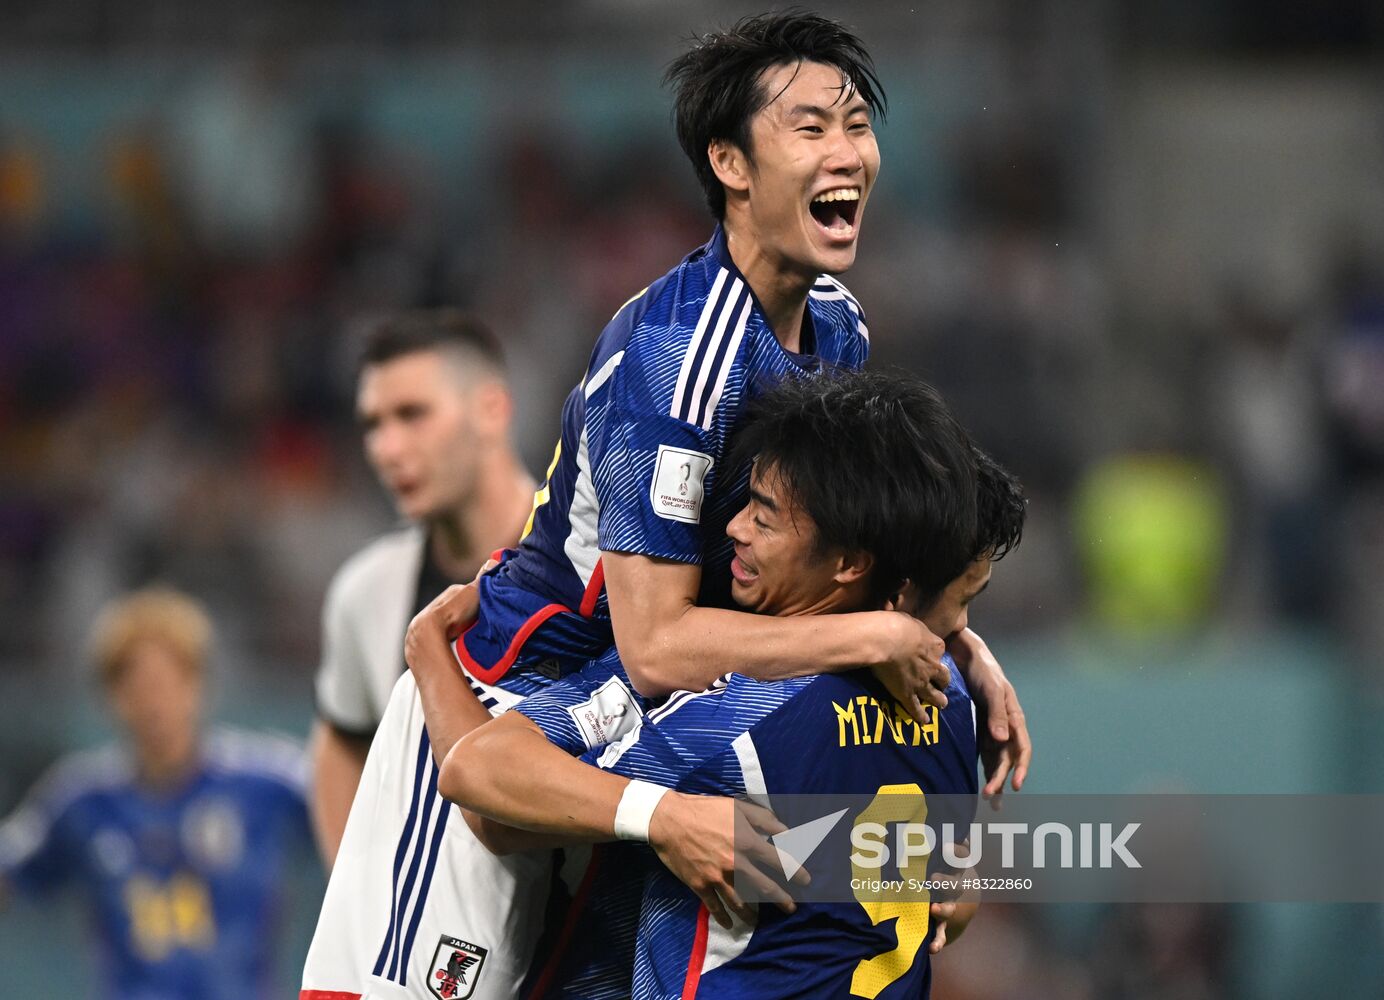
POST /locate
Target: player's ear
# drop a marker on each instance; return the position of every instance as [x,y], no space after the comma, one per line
[906,600]
[853,566]
[491,408]
[730,164]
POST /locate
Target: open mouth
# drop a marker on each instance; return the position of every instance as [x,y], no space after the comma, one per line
[835,211]
[740,572]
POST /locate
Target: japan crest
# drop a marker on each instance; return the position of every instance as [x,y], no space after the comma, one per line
[456,965]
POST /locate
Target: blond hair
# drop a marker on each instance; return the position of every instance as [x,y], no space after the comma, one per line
[156,614]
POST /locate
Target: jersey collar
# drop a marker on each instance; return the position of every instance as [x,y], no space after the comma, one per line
[719,251]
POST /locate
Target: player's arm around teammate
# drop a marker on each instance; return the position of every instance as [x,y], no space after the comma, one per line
[549,798]
[510,771]
[450,706]
[668,643]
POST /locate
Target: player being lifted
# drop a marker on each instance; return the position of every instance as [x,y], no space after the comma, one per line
[775,115]
[864,490]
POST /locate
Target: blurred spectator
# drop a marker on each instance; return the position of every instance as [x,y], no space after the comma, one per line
[1152,534]
[1268,392]
[248,159]
[178,838]
[1355,400]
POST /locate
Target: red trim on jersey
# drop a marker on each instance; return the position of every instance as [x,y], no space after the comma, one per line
[491,675]
[569,927]
[326,995]
[593,589]
[698,957]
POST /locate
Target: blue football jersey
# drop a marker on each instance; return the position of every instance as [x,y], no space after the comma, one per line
[640,464]
[833,733]
[184,886]
[590,952]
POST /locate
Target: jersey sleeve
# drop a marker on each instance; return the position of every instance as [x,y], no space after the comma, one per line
[341,687]
[33,853]
[586,710]
[652,470]
[696,740]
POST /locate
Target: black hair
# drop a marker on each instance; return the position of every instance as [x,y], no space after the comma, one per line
[1000,509]
[879,464]
[446,330]
[717,82]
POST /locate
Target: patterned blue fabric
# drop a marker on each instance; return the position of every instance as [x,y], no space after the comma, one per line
[667,382]
[747,738]
[802,736]
[576,715]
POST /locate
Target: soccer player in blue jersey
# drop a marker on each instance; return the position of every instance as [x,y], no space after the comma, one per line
[179,839]
[860,482]
[626,542]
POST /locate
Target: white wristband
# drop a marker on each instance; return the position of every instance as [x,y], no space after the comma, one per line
[636,809]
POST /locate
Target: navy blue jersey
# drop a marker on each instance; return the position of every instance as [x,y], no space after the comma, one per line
[838,733]
[592,953]
[640,465]
[184,886]
[833,733]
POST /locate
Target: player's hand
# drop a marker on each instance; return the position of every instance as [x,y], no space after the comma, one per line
[951,918]
[709,842]
[912,670]
[450,611]
[1005,747]
[433,629]
[952,910]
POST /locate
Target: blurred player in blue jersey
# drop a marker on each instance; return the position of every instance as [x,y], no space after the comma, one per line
[861,482]
[626,542]
[179,838]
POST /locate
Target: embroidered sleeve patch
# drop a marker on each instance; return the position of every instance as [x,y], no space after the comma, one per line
[607,715]
[677,489]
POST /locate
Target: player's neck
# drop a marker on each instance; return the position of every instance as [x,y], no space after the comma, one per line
[780,287]
[163,768]
[490,518]
[842,600]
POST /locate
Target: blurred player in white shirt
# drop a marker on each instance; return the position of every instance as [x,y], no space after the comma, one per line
[435,413]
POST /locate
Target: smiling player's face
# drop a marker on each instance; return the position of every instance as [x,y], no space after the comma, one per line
[813,164]
[778,567]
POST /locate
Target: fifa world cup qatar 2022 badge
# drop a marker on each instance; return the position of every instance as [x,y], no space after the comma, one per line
[456,966]
[679,483]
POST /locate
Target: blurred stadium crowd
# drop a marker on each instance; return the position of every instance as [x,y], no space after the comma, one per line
[1140,252]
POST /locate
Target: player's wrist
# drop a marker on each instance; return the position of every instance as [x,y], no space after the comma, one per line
[634,815]
[887,636]
[964,647]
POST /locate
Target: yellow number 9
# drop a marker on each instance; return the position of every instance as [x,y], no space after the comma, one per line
[893,804]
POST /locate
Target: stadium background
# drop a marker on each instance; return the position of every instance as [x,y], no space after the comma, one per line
[1140,247]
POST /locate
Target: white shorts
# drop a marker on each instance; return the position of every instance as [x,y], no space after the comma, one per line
[416,906]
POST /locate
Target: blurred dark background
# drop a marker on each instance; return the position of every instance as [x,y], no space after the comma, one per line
[1139,246]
